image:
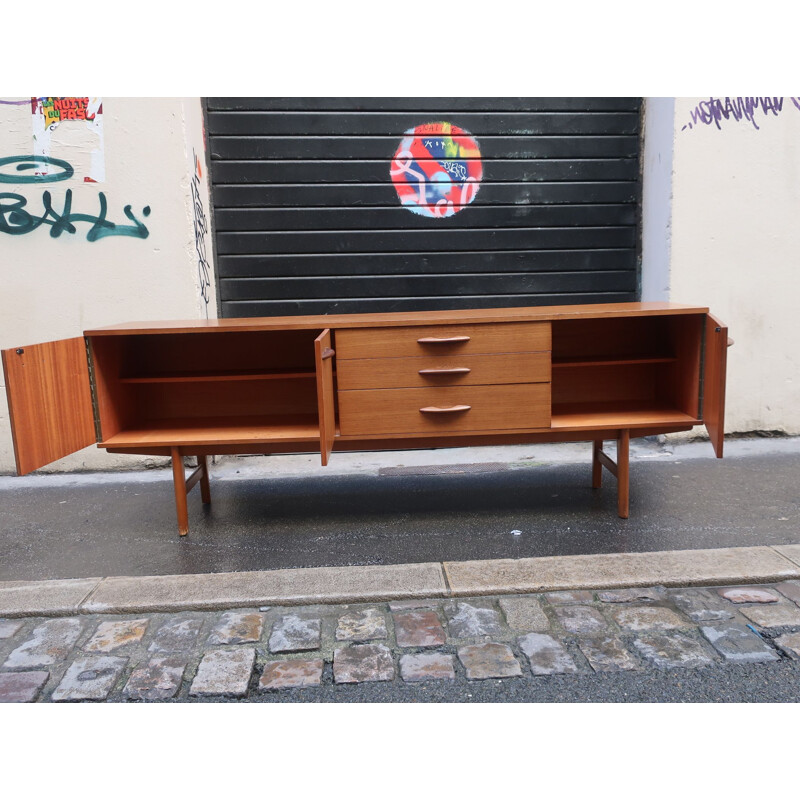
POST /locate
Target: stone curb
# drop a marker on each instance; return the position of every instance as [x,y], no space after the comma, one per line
[338,585]
[722,566]
[45,598]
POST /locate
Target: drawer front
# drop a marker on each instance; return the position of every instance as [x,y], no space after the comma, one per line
[371,412]
[511,337]
[443,370]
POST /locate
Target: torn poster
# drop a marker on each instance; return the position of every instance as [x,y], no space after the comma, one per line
[70,128]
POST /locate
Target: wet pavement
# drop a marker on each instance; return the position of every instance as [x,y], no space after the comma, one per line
[399,509]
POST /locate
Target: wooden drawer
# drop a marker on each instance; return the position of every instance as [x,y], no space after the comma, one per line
[510,337]
[370,412]
[443,370]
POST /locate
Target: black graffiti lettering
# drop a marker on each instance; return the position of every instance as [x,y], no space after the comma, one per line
[200,230]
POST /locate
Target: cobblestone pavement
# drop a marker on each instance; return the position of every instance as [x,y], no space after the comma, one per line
[244,654]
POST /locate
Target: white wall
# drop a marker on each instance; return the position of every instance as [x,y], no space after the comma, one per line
[735,247]
[658,135]
[55,288]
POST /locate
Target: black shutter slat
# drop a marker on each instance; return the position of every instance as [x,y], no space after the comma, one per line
[347,148]
[421,240]
[424,286]
[281,195]
[416,263]
[260,123]
[513,170]
[417,104]
[342,218]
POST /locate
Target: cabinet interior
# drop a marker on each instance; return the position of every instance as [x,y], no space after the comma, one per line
[261,384]
[608,368]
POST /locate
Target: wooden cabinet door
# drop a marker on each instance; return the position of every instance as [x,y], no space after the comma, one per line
[49,401]
[323,355]
[714,368]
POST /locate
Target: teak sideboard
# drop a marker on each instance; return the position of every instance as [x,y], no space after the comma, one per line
[371,382]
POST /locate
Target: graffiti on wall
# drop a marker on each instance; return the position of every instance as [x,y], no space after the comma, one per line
[73,125]
[200,230]
[719,111]
[437,169]
[17,218]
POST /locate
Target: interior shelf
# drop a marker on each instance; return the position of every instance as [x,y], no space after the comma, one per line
[612,415]
[218,375]
[610,361]
[217,430]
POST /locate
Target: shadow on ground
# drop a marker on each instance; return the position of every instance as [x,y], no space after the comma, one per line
[97,528]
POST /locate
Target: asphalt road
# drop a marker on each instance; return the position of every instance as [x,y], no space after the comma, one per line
[52,527]
[747,683]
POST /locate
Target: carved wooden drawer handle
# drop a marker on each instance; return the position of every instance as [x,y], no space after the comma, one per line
[439,340]
[437,410]
[452,371]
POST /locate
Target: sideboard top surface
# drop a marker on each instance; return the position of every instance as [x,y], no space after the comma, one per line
[400,319]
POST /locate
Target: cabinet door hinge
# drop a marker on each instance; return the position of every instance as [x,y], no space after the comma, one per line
[95,408]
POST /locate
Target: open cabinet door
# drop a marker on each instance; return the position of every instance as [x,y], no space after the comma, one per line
[323,355]
[49,401]
[714,368]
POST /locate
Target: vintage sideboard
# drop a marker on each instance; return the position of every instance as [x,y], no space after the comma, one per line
[371,382]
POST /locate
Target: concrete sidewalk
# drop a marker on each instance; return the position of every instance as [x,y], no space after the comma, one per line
[332,585]
[482,504]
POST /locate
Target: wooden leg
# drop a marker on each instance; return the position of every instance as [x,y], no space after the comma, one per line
[205,486]
[619,469]
[597,464]
[179,480]
[623,473]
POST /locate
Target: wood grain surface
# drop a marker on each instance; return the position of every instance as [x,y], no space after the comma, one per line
[49,401]
[379,411]
[398,373]
[714,371]
[434,340]
[402,318]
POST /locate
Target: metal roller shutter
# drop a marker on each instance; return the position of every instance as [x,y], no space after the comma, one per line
[308,215]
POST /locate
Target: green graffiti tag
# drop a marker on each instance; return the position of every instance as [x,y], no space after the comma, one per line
[26,163]
[16,220]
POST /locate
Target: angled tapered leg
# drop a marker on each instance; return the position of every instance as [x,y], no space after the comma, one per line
[179,481]
[205,486]
[623,473]
[597,464]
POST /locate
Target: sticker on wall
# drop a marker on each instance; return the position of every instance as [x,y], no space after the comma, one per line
[70,126]
[437,169]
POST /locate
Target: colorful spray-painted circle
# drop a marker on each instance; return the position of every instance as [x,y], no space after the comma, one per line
[437,169]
